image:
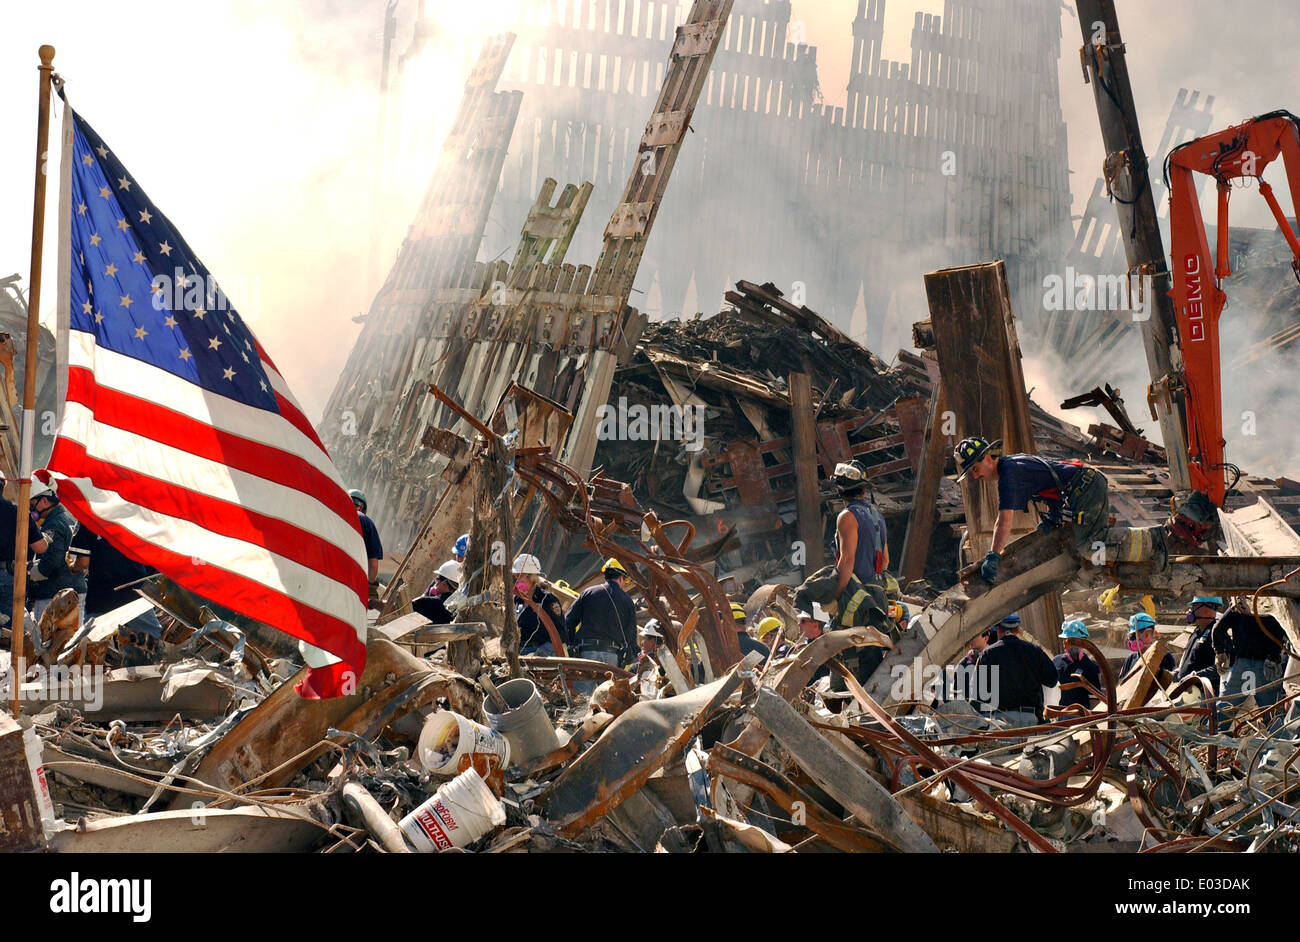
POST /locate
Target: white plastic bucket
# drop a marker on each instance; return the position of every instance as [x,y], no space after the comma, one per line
[524,721]
[447,736]
[459,813]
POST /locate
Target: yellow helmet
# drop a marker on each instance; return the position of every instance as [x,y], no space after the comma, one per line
[613,565]
[767,626]
[738,611]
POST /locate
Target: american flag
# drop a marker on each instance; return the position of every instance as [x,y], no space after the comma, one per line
[180,442]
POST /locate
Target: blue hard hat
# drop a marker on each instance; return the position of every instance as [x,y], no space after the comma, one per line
[1208,600]
[1011,621]
[1140,622]
[462,544]
[1073,629]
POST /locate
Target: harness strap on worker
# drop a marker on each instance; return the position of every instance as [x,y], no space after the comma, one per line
[1085,475]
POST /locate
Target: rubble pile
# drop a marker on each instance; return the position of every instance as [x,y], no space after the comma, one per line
[763,758]
[455,740]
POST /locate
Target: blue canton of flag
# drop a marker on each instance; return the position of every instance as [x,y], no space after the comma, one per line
[142,292]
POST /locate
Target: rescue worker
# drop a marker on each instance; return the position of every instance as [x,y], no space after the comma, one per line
[460,548]
[1065,493]
[1250,652]
[1014,672]
[1141,632]
[963,686]
[36,544]
[1198,656]
[897,612]
[861,547]
[110,574]
[853,607]
[50,571]
[433,604]
[1075,662]
[745,639]
[812,624]
[765,630]
[602,622]
[533,636]
[649,637]
[374,547]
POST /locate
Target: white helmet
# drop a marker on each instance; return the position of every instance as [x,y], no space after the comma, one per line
[650,630]
[40,489]
[450,570]
[526,564]
[817,614]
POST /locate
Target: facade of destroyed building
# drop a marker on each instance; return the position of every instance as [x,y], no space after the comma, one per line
[959,154]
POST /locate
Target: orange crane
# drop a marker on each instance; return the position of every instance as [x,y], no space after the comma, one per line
[1241,152]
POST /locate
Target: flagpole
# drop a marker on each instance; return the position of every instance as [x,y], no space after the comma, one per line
[16,625]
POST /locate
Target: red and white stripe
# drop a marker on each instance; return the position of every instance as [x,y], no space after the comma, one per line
[237,504]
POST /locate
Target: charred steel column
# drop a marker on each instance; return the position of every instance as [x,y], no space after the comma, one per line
[1127,174]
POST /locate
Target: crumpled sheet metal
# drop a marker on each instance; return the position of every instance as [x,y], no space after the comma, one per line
[271,742]
[799,672]
[633,747]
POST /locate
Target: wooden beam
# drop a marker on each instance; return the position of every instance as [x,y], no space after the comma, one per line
[925,498]
[807,491]
[979,359]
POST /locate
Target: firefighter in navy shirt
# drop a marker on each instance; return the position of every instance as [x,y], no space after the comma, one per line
[1066,493]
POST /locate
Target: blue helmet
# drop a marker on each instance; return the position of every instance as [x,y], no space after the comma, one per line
[462,545]
[1073,629]
[1139,623]
[1012,621]
[1214,600]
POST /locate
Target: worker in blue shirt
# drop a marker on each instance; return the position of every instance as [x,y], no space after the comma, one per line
[861,541]
[1075,664]
[1066,493]
[1141,632]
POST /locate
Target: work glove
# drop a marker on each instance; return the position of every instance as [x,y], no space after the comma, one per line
[1222,663]
[989,568]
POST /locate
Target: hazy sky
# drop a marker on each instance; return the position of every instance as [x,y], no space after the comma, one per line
[251,124]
